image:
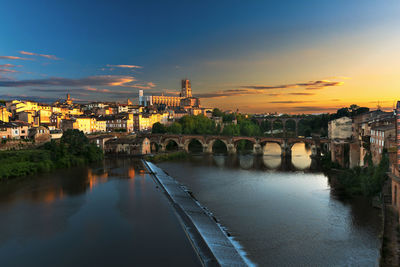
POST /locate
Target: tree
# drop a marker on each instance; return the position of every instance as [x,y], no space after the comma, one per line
[248,128]
[175,128]
[217,113]
[158,128]
[75,140]
[353,107]
[231,130]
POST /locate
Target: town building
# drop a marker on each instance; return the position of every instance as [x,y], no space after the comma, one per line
[40,134]
[395,165]
[128,146]
[379,140]
[340,134]
[4,114]
[184,100]
[14,130]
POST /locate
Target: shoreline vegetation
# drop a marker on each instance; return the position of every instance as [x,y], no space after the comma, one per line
[176,155]
[73,149]
[359,181]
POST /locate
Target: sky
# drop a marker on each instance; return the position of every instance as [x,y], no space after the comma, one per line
[255,56]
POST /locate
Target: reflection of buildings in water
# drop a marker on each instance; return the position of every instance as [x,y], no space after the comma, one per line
[94,179]
[246,161]
[272,161]
[301,156]
[131,172]
[54,194]
[219,160]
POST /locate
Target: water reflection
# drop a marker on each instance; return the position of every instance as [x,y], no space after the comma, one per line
[272,162]
[246,161]
[283,218]
[301,153]
[104,215]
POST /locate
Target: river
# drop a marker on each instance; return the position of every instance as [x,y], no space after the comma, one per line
[282,218]
[109,214]
[113,214]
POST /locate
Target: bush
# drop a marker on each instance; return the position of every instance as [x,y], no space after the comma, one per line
[73,149]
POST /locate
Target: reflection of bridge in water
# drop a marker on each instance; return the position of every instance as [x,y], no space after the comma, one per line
[258,162]
[231,143]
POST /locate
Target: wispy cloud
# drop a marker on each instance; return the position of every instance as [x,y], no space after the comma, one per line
[301,93]
[102,80]
[9,66]
[320,84]
[85,91]
[148,85]
[12,57]
[290,102]
[125,66]
[263,89]
[39,55]
[8,70]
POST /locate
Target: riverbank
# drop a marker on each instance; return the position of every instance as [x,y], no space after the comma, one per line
[176,155]
[210,241]
[73,149]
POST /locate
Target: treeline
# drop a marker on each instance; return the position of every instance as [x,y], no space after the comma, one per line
[72,150]
[366,181]
[236,124]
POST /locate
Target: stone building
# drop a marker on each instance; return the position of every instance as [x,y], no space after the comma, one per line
[380,137]
[40,134]
[340,134]
[128,146]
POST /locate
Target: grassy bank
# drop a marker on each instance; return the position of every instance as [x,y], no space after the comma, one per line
[178,155]
[73,149]
[366,181]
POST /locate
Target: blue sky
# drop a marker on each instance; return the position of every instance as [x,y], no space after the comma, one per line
[251,55]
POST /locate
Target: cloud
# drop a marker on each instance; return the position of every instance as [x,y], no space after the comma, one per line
[8,70]
[262,89]
[230,92]
[39,55]
[320,109]
[81,91]
[102,80]
[12,57]
[125,66]
[320,84]
[148,85]
[301,93]
[9,66]
[289,102]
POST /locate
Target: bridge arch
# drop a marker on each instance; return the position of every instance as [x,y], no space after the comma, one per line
[218,145]
[170,144]
[154,147]
[194,145]
[244,144]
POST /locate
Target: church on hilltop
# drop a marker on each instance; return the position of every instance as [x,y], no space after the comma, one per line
[184,100]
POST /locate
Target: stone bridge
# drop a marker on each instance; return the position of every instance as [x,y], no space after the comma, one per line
[259,143]
[284,120]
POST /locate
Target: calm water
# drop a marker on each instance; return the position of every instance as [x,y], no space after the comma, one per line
[109,215]
[283,218]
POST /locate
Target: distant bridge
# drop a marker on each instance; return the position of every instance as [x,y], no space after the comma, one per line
[259,143]
[283,120]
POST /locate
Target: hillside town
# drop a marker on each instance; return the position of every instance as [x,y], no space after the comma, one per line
[21,119]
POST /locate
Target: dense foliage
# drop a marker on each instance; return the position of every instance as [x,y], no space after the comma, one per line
[367,181]
[73,149]
[236,124]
